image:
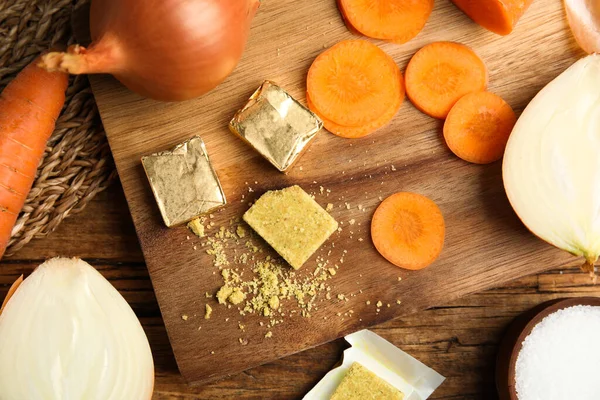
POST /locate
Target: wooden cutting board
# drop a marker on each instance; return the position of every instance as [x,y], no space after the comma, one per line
[486,245]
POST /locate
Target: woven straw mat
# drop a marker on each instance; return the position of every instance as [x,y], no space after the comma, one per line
[77,163]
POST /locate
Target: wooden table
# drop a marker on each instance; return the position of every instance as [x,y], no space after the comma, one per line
[459,340]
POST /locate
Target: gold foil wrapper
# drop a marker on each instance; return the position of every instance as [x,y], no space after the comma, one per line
[184,182]
[276,125]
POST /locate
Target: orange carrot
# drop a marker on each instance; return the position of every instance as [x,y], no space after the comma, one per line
[408,230]
[29,106]
[498,16]
[441,73]
[478,126]
[13,288]
[353,83]
[394,20]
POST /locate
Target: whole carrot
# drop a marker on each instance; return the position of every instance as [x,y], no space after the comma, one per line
[29,107]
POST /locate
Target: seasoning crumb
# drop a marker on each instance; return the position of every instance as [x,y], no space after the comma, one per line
[197,227]
[393,168]
[399,278]
[224,292]
[212,352]
[269,334]
[388,304]
[398,302]
[184,317]
[274,302]
[368,302]
[243,342]
[352,221]
[379,304]
[241,232]
[237,296]
[208,312]
[329,207]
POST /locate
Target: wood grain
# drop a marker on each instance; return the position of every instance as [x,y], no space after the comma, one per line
[459,339]
[104,229]
[486,244]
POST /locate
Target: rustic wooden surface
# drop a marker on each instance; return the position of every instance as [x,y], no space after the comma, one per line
[485,245]
[459,339]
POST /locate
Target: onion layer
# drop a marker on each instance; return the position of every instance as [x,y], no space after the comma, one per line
[167,50]
[67,334]
[584,20]
[551,166]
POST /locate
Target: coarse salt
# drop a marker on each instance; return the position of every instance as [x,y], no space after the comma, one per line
[560,358]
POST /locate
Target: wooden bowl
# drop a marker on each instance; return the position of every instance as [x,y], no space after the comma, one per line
[511,344]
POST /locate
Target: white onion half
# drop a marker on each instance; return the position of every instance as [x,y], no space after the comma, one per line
[67,334]
[551,166]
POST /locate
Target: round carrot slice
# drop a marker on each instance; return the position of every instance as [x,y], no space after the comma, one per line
[408,230]
[396,20]
[355,132]
[352,132]
[478,126]
[351,28]
[353,83]
[440,74]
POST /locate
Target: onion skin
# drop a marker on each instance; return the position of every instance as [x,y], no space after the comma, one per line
[13,288]
[584,20]
[169,50]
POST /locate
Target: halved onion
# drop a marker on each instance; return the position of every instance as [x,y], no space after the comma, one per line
[67,334]
[551,166]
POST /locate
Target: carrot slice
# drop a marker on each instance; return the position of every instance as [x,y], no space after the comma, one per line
[408,230]
[498,16]
[441,73]
[353,83]
[396,20]
[355,132]
[478,127]
[352,132]
[351,28]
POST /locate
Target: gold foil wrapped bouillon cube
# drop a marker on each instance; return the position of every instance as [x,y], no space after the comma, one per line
[183,181]
[276,125]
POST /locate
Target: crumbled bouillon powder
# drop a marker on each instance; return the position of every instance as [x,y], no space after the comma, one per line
[271,281]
